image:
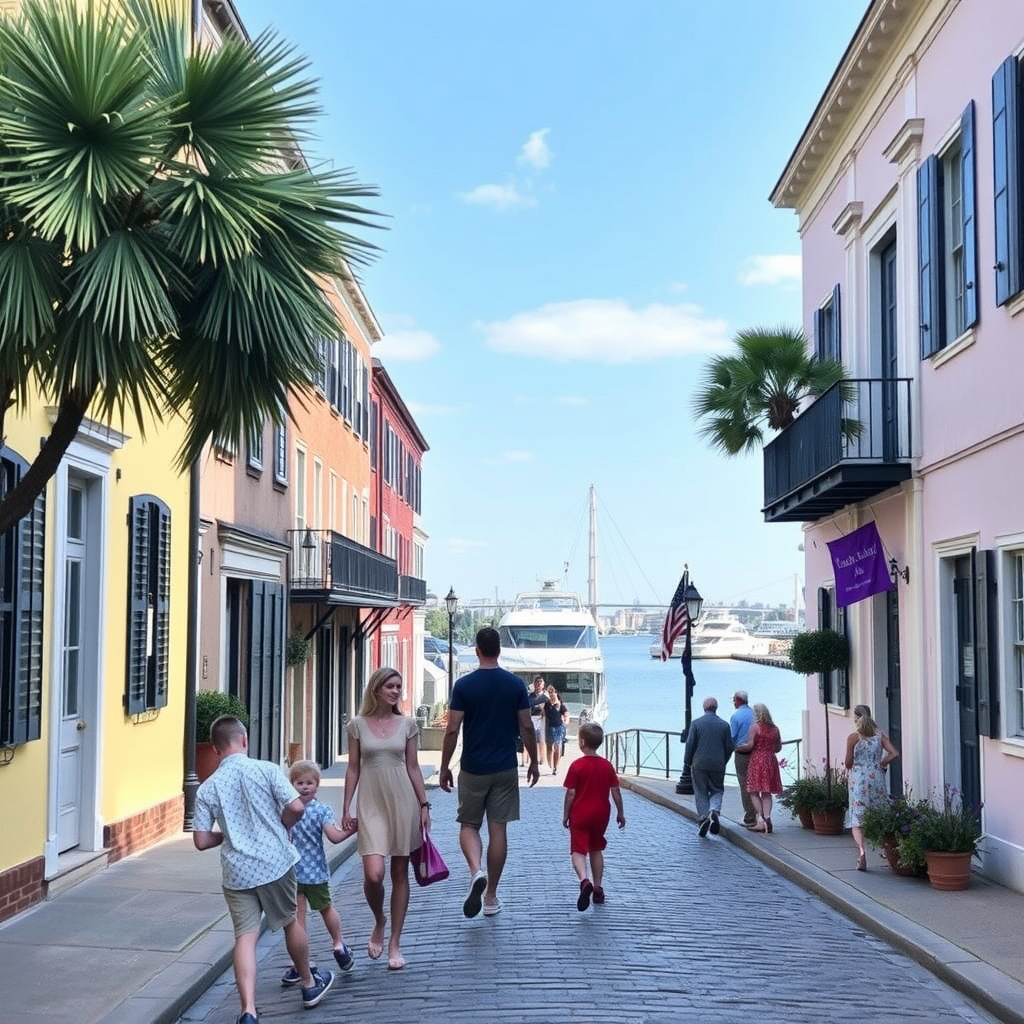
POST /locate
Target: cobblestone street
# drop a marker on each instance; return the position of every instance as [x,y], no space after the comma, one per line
[691,926]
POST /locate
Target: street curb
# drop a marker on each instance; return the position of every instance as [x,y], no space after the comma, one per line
[992,990]
[142,1009]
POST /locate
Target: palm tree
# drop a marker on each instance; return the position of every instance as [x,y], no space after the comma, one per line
[161,235]
[761,386]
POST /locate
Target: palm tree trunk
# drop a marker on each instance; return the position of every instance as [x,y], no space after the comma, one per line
[70,414]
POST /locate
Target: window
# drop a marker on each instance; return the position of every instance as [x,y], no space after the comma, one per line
[827,329]
[1008,178]
[332,372]
[316,514]
[281,453]
[320,374]
[254,451]
[833,687]
[332,501]
[149,575]
[21,613]
[373,437]
[947,251]
[1015,717]
[300,488]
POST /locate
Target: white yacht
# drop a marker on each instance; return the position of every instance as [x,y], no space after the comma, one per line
[778,629]
[717,634]
[551,633]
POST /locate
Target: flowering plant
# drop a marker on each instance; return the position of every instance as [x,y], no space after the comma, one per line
[812,791]
[895,821]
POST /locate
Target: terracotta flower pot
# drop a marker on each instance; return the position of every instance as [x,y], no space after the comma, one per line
[949,872]
[806,819]
[829,823]
[891,851]
[207,760]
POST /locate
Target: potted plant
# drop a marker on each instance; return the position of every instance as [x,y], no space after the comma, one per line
[210,705]
[890,827]
[297,649]
[948,832]
[820,651]
[801,795]
[829,803]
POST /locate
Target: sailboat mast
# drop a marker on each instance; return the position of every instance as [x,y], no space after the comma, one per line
[592,560]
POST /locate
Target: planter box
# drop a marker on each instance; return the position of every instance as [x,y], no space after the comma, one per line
[431,738]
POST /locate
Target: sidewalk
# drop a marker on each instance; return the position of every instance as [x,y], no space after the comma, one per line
[136,943]
[972,940]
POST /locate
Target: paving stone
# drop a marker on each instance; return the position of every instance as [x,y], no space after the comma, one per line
[692,926]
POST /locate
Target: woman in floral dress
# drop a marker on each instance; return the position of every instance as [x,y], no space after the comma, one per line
[763,776]
[868,752]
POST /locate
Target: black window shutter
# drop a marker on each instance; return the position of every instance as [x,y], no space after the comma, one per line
[820,342]
[274,610]
[841,689]
[22,700]
[929,257]
[969,221]
[836,340]
[1006,183]
[149,533]
[332,374]
[824,622]
[986,666]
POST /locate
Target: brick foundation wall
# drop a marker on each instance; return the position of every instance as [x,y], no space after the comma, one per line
[144,829]
[21,886]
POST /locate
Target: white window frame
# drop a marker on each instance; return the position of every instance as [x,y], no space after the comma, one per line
[300,487]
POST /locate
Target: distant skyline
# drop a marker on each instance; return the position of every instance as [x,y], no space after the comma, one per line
[578,219]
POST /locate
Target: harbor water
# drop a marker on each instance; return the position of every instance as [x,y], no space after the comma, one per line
[647,693]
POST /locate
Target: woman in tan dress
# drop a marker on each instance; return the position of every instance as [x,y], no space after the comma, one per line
[393,807]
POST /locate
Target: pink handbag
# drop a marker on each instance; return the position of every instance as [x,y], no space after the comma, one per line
[427,863]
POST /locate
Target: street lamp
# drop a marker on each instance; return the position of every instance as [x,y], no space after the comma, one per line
[451,602]
[694,602]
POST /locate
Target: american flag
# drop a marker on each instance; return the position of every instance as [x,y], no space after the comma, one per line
[676,619]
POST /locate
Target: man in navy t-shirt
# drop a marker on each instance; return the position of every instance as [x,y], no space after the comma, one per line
[490,706]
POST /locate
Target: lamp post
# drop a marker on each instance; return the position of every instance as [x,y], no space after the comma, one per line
[451,602]
[694,602]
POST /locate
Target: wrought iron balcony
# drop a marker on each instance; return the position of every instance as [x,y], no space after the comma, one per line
[853,443]
[328,568]
[412,590]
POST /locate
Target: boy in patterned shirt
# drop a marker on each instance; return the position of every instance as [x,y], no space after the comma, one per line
[311,871]
[254,805]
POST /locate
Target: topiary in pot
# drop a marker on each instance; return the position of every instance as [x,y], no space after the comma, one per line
[210,705]
[820,651]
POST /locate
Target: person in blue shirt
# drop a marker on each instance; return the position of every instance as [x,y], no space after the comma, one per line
[739,725]
[490,706]
[311,873]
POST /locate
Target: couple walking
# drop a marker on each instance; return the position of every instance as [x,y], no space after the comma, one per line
[711,741]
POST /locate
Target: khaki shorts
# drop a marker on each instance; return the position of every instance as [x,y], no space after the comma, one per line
[318,894]
[275,899]
[495,795]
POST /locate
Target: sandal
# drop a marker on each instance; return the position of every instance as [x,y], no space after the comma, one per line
[768,824]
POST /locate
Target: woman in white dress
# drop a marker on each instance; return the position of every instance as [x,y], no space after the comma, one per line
[868,753]
[383,768]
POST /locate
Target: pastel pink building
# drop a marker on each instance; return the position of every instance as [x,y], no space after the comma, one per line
[908,182]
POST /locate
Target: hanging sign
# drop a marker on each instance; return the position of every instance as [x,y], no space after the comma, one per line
[860,566]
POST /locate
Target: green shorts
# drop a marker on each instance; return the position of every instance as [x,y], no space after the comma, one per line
[495,795]
[275,899]
[318,894]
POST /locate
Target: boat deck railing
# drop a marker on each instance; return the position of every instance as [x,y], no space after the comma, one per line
[659,754]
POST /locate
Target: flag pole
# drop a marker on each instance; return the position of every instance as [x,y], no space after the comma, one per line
[685,783]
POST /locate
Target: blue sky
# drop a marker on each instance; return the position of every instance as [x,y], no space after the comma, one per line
[577,194]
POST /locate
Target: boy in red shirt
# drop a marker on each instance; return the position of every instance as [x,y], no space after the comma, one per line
[588,784]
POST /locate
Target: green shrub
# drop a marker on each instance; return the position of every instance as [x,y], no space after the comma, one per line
[947,826]
[819,650]
[210,705]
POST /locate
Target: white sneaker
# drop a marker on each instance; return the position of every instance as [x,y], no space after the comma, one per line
[474,898]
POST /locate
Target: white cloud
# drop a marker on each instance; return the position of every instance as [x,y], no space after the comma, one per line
[423,409]
[607,331]
[777,268]
[535,152]
[573,400]
[501,197]
[678,286]
[408,345]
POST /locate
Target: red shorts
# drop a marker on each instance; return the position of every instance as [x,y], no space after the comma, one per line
[587,837]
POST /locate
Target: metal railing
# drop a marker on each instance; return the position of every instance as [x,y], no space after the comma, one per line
[861,420]
[412,590]
[659,754]
[322,560]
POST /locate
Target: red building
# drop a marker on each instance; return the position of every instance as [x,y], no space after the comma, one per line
[396,454]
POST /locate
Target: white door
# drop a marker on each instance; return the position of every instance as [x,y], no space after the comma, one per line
[72,725]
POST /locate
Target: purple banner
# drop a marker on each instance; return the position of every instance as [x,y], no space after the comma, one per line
[859,564]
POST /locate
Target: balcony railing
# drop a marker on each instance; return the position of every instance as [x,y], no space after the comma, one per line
[330,568]
[852,443]
[412,590]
